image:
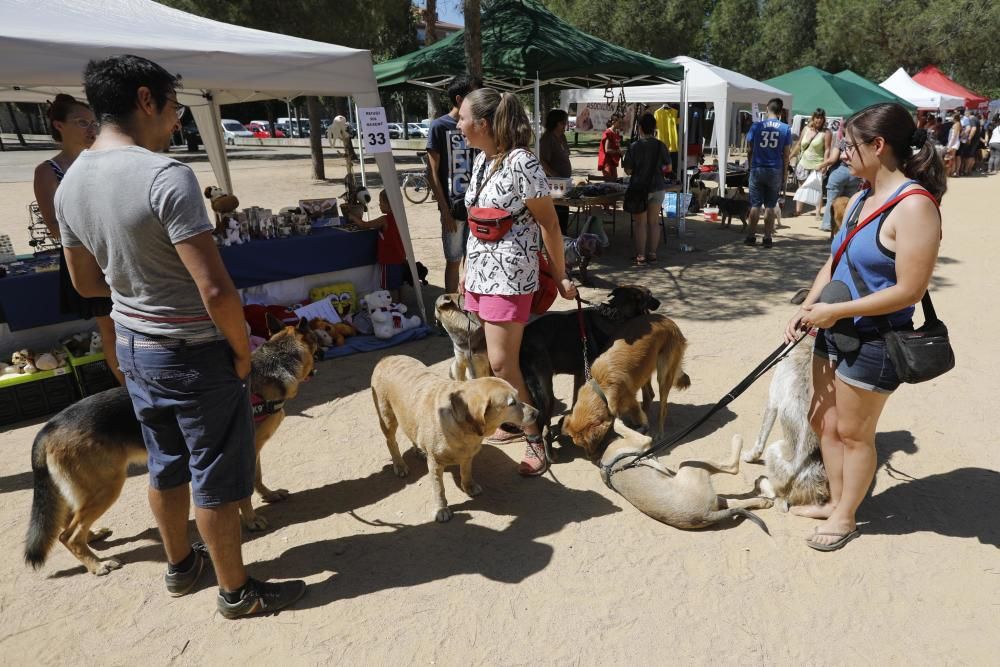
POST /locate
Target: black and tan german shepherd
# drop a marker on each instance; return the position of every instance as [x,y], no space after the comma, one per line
[80,457]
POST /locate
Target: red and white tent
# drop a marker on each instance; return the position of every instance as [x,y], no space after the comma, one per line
[935,79]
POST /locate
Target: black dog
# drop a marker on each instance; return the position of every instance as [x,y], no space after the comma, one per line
[408,275]
[730,207]
[552,344]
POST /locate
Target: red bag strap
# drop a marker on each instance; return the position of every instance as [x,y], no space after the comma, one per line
[879,211]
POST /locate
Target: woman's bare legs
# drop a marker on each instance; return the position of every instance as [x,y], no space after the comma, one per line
[652,231]
[858,411]
[639,234]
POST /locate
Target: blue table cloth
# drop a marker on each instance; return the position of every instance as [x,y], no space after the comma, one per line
[32,300]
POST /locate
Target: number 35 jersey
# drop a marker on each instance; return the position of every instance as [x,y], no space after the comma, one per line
[768,140]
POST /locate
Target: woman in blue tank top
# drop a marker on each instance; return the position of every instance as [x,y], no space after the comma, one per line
[894,256]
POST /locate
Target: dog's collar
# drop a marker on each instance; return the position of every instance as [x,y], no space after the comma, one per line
[263,409]
[600,392]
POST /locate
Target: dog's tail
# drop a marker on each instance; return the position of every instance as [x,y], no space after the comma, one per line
[747,514]
[47,505]
[682,381]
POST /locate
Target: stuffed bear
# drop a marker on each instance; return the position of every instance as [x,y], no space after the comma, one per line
[49,361]
[388,319]
[233,236]
[24,362]
[222,203]
[96,343]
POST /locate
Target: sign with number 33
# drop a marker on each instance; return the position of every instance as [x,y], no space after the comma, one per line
[374,130]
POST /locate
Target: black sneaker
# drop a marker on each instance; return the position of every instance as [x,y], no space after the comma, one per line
[767,243]
[750,240]
[261,597]
[181,583]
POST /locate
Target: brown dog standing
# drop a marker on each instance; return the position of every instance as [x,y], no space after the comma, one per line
[80,458]
[646,343]
[445,419]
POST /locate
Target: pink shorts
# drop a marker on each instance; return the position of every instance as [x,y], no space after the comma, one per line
[500,307]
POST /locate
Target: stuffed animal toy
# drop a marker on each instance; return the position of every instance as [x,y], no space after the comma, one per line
[233,236]
[222,203]
[6,369]
[343,297]
[336,332]
[24,362]
[388,319]
[96,343]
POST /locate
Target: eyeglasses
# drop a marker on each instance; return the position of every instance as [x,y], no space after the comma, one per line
[850,147]
[84,124]
[180,108]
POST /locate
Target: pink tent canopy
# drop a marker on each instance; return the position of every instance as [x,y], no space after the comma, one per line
[935,79]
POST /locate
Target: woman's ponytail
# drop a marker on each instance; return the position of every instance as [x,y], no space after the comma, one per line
[925,164]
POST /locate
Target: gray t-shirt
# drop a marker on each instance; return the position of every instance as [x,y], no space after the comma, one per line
[128,207]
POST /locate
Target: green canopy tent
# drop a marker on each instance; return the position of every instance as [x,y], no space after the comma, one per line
[855,78]
[812,87]
[525,47]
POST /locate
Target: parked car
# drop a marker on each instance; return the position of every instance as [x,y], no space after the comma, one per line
[233,130]
[266,127]
[395,131]
[417,130]
[259,131]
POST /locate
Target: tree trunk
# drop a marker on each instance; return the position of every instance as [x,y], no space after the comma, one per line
[430,36]
[473,38]
[316,138]
[13,120]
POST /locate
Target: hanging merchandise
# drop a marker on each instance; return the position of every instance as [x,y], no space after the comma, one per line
[666,127]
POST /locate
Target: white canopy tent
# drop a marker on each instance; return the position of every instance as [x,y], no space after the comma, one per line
[919,95]
[44,48]
[705,83]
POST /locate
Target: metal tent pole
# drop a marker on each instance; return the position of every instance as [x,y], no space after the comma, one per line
[682,215]
[538,116]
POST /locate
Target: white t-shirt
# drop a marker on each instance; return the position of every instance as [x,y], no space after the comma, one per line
[510,265]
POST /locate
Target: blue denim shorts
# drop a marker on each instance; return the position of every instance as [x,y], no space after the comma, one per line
[765,184]
[195,415]
[869,367]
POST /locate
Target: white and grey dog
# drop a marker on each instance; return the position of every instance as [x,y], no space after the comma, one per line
[794,469]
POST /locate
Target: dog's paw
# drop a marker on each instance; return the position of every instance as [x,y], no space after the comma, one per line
[274,495]
[473,489]
[98,535]
[751,456]
[106,567]
[443,515]
[766,503]
[782,505]
[401,469]
[767,489]
[254,523]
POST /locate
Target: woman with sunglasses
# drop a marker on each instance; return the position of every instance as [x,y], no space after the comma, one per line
[74,127]
[894,256]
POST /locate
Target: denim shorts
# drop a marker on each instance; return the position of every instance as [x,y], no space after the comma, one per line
[656,198]
[869,367]
[454,243]
[765,183]
[195,415]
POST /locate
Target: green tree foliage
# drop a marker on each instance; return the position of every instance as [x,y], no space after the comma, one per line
[732,34]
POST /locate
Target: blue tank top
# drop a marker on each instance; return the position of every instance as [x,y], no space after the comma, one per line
[874,263]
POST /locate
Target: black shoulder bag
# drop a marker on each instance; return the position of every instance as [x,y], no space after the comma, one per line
[918,355]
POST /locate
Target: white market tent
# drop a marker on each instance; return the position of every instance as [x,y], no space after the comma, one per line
[920,96]
[705,83]
[44,47]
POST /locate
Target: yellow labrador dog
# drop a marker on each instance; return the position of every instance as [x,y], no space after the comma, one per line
[446,420]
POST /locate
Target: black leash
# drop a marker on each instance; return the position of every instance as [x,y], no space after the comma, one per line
[770,362]
[583,336]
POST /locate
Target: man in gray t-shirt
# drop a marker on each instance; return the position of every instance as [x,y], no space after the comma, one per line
[134,227]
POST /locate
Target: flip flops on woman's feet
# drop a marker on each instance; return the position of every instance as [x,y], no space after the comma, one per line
[650,257]
[639,260]
[838,543]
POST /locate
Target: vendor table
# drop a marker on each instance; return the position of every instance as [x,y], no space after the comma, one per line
[582,204]
[32,300]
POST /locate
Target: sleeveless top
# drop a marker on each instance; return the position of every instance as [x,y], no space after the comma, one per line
[57,169]
[814,152]
[874,263]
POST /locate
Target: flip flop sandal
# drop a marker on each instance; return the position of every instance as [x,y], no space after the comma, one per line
[534,462]
[843,538]
[651,258]
[639,261]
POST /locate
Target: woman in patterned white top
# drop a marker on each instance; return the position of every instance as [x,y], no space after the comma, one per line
[499,278]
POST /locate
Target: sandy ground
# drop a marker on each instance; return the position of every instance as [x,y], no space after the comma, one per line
[560,570]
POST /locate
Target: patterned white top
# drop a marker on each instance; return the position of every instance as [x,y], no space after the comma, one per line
[508,266]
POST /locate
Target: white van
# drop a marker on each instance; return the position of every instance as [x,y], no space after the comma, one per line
[233,129]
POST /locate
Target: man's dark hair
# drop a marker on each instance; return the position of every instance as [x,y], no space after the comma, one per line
[554,117]
[461,85]
[775,105]
[647,123]
[112,86]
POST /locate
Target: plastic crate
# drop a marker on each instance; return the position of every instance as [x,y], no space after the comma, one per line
[92,373]
[36,395]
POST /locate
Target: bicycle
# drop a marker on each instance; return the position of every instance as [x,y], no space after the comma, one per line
[415,184]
